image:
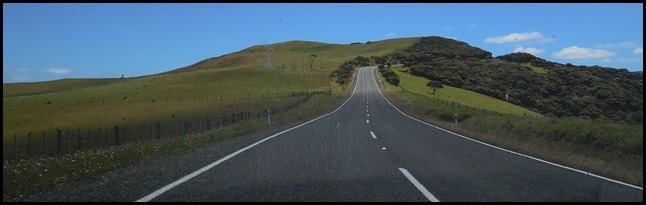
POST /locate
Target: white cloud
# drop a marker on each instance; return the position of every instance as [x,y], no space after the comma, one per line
[22,69]
[390,35]
[533,51]
[516,37]
[454,38]
[639,50]
[574,52]
[59,70]
[624,45]
[471,25]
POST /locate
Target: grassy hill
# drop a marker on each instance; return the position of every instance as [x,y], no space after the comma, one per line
[35,88]
[296,54]
[236,82]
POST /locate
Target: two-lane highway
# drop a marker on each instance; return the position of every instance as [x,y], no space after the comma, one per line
[367,150]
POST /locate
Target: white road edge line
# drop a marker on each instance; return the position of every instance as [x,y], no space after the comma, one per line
[419,186]
[373,135]
[207,167]
[530,157]
[367,121]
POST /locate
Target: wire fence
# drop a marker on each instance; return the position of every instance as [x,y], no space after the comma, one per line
[66,141]
[455,104]
[159,99]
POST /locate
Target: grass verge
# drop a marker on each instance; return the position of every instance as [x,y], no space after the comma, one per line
[600,147]
[26,177]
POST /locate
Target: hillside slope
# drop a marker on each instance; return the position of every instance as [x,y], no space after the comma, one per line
[549,88]
[297,54]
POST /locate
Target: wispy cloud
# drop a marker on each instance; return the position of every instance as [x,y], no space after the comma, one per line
[59,70]
[639,50]
[448,29]
[22,69]
[530,50]
[516,37]
[624,45]
[391,35]
[471,25]
[574,52]
[454,38]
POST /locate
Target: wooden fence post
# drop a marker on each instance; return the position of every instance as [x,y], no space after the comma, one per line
[107,136]
[89,137]
[208,124]
[15,147]
[98,139]
[29,145]
[116,135]
[79,138]
[45,143]
[185,127]
[69,141]
[58,140]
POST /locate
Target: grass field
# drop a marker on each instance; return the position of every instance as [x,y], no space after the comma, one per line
[35,88]
[236,82]
[23,178]
[131,101]
[465,97]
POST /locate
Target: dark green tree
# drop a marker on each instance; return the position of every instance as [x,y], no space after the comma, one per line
[434,85]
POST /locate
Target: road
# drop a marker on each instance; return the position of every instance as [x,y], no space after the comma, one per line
[367,150]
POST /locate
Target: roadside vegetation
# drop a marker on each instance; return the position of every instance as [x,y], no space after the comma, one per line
[30,176]
[602,147]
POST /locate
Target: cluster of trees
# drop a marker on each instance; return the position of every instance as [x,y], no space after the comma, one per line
[434,47]
[564,90]
[344,72]
[390,76]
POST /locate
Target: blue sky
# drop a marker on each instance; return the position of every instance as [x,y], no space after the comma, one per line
[44,42]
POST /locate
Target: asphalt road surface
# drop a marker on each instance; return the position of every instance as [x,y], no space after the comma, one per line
[367,150]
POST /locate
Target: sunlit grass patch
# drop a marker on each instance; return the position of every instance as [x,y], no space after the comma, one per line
[464,97]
